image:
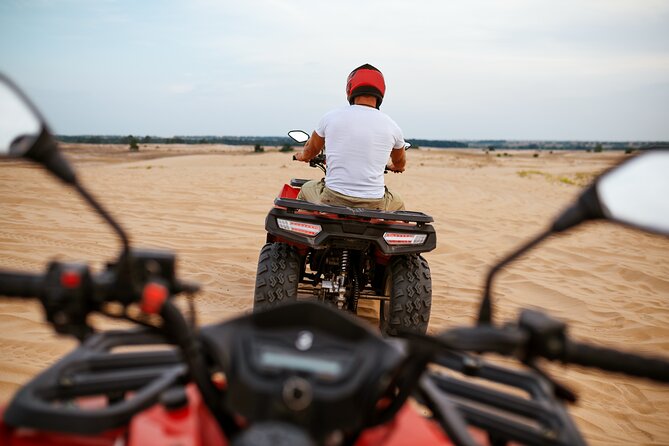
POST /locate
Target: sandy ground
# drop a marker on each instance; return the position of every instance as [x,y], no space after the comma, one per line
[209,204]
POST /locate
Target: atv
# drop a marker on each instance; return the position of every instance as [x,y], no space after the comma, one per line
[339,255]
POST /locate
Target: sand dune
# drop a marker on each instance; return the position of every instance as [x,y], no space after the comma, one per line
[611,283]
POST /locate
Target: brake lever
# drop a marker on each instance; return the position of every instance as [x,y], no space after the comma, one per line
[560,390]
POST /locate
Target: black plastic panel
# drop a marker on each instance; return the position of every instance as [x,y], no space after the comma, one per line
[350,233]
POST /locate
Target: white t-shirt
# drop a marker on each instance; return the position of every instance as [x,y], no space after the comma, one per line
[358,141]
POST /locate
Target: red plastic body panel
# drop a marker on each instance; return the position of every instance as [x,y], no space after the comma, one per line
[28,437]
[408,427]
[192,425]
[289,191]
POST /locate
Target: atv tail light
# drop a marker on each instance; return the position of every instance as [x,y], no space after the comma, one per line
[299,227]
[398,238]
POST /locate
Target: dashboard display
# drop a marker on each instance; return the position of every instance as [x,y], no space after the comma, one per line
[286,360]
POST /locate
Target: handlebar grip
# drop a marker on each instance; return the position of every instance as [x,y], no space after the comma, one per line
[20,284]
[616,361]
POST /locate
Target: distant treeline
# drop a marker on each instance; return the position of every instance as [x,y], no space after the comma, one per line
[485,144]
[589,146]
[229,140]
[437,143]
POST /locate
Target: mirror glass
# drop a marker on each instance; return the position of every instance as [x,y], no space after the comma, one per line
[637,192]
[299,136]
[19,126]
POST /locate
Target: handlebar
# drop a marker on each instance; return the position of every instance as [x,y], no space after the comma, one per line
[548,338]
[317,161]
[611,360]
[539,336]
[21,284]
[69,292]
[320,162]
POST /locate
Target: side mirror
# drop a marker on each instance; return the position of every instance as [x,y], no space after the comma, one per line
[20,125]
[636,193]
[299,136]
[24,133]
[633,193]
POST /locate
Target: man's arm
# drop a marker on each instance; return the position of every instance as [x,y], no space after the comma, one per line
[398,160]
[312,148]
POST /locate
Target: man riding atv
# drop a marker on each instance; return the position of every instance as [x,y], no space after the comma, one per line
[347,237]
[360,139]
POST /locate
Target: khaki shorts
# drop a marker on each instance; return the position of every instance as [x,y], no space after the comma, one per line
[315,191]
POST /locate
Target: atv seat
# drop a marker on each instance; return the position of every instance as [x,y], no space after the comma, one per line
[297,182]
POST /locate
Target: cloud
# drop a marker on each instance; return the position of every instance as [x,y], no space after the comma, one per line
[180,88]
[277,62]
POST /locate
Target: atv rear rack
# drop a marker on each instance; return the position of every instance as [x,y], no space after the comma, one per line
[348,228]
[343,211]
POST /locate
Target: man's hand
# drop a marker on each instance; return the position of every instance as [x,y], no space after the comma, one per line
[391,167]
[300,157]
[398,160]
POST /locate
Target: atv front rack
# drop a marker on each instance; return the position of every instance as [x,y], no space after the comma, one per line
[124,383]
[344,211]
[511,405]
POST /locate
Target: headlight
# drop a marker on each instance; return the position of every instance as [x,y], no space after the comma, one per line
[299,227]
[399,238]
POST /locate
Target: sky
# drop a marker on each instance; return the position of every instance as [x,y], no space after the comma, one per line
[454,69]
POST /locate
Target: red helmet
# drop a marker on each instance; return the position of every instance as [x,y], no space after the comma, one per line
[365,79]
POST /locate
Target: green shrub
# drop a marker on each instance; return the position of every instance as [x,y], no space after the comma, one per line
[132,143]
[258,148]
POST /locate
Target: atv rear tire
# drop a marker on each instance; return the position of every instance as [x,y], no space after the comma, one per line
[409,288]
[279,268]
